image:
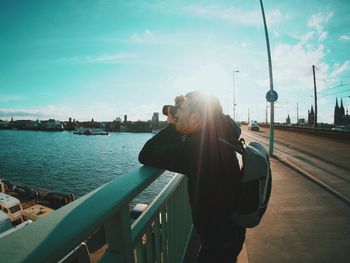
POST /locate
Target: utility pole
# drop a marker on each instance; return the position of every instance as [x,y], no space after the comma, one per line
[315,93]
[297,113]
[266,112]
[248,116]
[234,94]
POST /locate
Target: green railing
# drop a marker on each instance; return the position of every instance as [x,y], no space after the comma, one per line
[160,234]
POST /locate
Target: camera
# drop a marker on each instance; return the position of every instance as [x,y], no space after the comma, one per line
[173,109]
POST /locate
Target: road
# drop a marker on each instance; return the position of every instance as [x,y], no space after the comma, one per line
[325,159]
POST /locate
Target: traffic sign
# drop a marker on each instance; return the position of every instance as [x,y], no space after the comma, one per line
[271,96]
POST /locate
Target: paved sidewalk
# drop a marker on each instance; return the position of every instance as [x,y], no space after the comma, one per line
[303,223]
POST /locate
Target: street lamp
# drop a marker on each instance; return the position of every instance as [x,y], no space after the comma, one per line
[234,94]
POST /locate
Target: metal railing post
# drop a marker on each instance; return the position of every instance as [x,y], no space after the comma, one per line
[118,234]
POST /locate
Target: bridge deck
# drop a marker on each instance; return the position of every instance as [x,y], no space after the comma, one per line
[303,223]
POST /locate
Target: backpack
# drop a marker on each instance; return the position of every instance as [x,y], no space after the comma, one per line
[255,183]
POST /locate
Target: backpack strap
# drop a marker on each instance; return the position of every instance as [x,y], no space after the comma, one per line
[238,146]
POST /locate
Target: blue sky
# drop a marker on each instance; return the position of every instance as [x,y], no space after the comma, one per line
[104,59]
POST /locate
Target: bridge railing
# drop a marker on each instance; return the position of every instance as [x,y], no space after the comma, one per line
[160,234]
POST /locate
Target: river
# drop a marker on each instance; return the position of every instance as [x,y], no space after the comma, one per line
[71,163]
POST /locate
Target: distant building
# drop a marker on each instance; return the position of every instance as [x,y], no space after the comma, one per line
[3,124]
[89,124]
[155,121]
[125,118]
[139,126]
[311,116]
[339,114]
[21,124]
[69,125]
[288,120]
[112,126]
[123,128]
[51,124]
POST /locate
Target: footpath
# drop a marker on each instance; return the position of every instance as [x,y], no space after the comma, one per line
[303,223]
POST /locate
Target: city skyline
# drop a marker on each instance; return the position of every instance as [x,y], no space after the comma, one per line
[106,59]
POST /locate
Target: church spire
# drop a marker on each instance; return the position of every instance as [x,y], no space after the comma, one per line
[336,112]
[342,111]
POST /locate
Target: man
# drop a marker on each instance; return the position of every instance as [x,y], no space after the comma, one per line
[191,145]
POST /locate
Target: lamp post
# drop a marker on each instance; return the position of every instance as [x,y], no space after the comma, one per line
[234,94]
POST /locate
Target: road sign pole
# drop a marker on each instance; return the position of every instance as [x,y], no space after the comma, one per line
[272,118]
[315,93]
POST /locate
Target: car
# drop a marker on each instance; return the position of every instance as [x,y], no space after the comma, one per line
[12,207]
[57,199]
[253,126]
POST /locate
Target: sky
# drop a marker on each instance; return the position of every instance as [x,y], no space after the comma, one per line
[106,59]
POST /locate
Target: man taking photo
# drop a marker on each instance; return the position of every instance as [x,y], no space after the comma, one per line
[192,145]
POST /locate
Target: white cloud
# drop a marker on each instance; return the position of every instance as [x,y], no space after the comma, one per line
[146,37]
[276,34]
[323,36]
[344,38]
[306,37]
[245,44]
[292,65]
[105,58]
[211,78]
[317,22]
[274,17]
[62,112]
[338,69]
[234,15]
[50,111]
[97,111]
[8,98]
[143,112]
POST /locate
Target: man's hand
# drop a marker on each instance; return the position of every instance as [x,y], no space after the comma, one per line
[171,119]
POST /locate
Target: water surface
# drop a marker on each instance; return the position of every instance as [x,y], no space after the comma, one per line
[68,162]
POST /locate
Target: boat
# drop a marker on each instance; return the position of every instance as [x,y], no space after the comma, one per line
[90,131]
[20,202]
[155,131]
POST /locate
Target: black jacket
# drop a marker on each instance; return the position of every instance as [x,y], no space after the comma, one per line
[212,169]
